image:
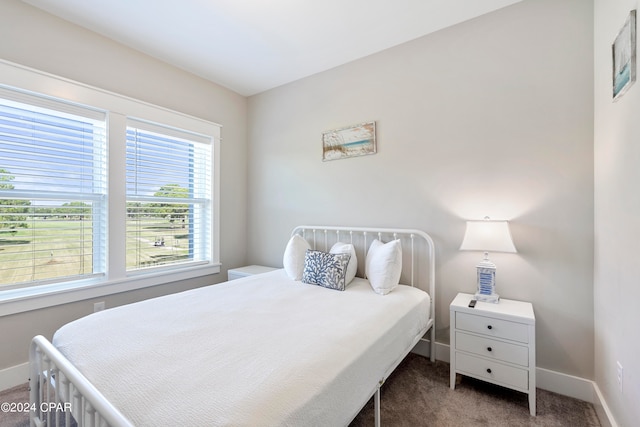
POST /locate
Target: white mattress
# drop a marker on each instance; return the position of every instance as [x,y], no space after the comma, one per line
[257,351]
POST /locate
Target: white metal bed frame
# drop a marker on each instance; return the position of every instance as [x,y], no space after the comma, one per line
[411,236]
[59,392]
[54,382]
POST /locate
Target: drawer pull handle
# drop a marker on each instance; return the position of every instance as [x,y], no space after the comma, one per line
[489,327]
[489,349]
[488,370]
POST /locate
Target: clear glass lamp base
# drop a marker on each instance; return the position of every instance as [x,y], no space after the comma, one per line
[493,298]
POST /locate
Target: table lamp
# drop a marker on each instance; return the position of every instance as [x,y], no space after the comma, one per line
[487,236]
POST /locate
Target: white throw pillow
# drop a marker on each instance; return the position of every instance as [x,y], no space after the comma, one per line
[293,259]
[347,248]
[383,265]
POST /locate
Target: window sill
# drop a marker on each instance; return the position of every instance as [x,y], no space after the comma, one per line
[28,299]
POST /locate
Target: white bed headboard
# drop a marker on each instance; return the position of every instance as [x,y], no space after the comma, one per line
[418,253]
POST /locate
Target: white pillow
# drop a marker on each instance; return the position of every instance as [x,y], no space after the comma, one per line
[347,248]
[383,265]
[293,259]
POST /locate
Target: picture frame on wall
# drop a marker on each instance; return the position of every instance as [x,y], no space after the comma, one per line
[624,57]
[350,141]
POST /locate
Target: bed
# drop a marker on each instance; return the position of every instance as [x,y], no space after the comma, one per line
[261,350]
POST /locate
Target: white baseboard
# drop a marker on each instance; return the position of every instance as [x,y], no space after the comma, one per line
[557,382]
[567,385]
[14,376]
[423,348]
[602,409]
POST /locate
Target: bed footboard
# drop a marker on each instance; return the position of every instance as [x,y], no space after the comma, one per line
[60,394]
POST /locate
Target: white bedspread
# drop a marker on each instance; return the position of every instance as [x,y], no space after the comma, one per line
[257,351]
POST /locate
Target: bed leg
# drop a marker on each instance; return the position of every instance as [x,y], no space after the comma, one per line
[432,345]
[376,407]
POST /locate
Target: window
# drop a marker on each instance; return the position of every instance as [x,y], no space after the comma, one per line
[100,193]
[168,196]
[52,190]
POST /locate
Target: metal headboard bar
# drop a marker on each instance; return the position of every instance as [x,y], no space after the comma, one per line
[379,232]
[411,234]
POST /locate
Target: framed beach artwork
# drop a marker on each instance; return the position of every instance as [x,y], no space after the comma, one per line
[624,57]
[356,140]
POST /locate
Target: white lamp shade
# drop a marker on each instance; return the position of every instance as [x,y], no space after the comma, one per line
[488,236]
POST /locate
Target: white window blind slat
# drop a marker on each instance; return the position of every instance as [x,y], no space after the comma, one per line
[168,131]
[168,180]
[52,190]
[45,102]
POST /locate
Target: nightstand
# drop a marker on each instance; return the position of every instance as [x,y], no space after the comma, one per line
[249,270]
[494,343]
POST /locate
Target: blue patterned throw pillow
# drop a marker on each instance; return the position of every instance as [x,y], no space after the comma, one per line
[325,269]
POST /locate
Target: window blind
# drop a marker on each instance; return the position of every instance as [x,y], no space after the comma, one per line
[52,190]
[168,187]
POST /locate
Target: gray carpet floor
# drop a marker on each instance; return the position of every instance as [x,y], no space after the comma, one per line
[418,394]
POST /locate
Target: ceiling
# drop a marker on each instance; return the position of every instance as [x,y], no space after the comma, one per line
[250,46]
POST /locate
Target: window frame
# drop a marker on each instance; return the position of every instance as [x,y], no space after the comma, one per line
[118,108]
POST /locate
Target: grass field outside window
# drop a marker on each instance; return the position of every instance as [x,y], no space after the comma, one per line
[20,261]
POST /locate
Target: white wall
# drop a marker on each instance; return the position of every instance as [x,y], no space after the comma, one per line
[617,223]
[490,117]
[36,39]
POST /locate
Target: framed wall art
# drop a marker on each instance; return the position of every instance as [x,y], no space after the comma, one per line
[624,57]
[356,140]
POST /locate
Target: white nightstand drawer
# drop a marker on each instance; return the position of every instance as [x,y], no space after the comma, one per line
[493,327]
[493,349]
[492,371]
